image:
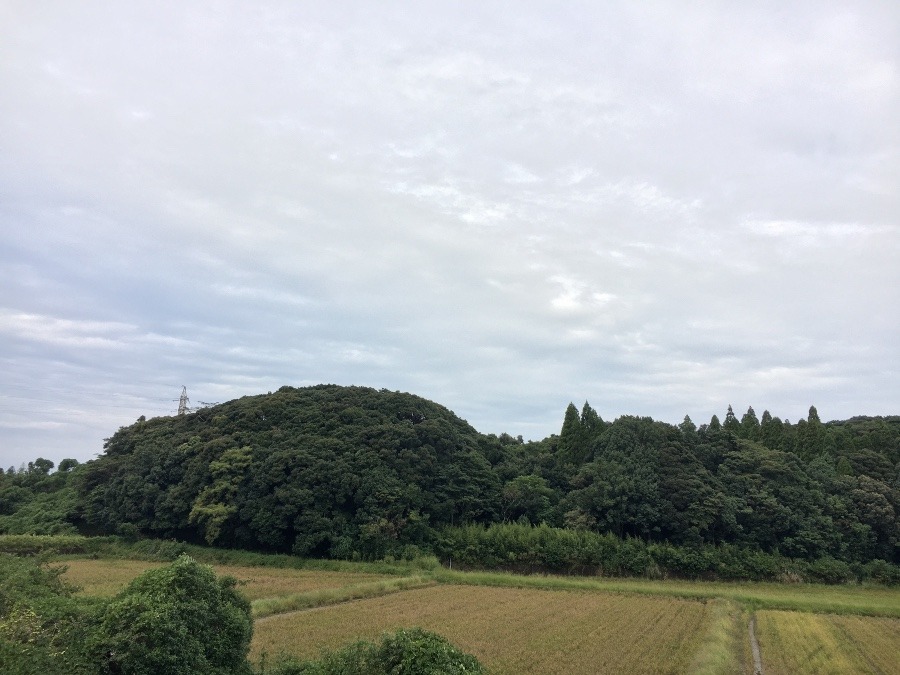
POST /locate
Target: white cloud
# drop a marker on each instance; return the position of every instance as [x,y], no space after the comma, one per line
[820,234]
[67,332]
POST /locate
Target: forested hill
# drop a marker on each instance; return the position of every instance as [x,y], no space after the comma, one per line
[356,472]
[320,470]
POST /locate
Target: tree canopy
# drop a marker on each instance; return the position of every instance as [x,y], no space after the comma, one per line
[352,472]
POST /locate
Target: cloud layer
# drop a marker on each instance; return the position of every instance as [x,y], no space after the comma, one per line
[659,209]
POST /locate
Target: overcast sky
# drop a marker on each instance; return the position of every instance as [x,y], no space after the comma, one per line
[661,208]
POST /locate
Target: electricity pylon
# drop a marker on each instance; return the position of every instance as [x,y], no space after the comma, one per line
[183,402]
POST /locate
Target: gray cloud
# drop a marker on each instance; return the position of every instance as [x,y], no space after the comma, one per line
[659,209]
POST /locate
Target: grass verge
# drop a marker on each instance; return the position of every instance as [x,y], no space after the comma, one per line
[722,649]
[331,596]
[862,600]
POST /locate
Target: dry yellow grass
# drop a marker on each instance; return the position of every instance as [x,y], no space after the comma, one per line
[104,578]
[878,639]
[107,577]
[824,644]
[511,630]
[269,582]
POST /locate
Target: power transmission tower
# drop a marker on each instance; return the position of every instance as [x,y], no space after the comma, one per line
[183,402]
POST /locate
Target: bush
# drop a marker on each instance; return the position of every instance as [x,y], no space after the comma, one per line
[829,571]
[882,572]
[158,549]
[33,544]
[42,627]
[177,620]
[407,652]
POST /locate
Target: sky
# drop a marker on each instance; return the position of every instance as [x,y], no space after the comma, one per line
[661,208]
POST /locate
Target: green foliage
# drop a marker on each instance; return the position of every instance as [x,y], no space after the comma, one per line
[158,549]
[175,620]
[523,548]
[358,474]
[29,544]
[42,628]
[345,471]
[34,501]
[214,505]
[411,651]
[527,497]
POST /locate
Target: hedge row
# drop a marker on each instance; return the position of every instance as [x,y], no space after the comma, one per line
[57,544]
[525,548]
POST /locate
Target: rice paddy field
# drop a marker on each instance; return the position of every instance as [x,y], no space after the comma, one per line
[107,577]
[527,625]
[511,630]
[826,644]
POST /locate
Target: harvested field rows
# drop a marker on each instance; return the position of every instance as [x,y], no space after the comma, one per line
[797,643]
[108,577]
[511,630]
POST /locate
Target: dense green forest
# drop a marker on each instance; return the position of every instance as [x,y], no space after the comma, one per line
[358,473]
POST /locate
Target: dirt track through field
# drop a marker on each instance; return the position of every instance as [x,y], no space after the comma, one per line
[754,647]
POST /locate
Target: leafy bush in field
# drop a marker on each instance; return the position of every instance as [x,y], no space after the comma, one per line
[829,571]
[158,549]
[177,620]
[882,572]
[406,652]
[42,628]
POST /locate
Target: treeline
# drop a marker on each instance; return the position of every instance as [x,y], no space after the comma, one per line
[804,491]
[528,549]
[356,473]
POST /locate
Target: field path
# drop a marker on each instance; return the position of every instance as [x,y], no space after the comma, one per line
[754,647]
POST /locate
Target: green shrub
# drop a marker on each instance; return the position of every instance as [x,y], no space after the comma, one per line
[158,549]
[42,627]
[829,571]
[883,572]
[32,544]
[407,652]
[176,620]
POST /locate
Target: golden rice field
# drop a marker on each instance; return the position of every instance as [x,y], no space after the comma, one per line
[798,643]
[107,577]
[511,630]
